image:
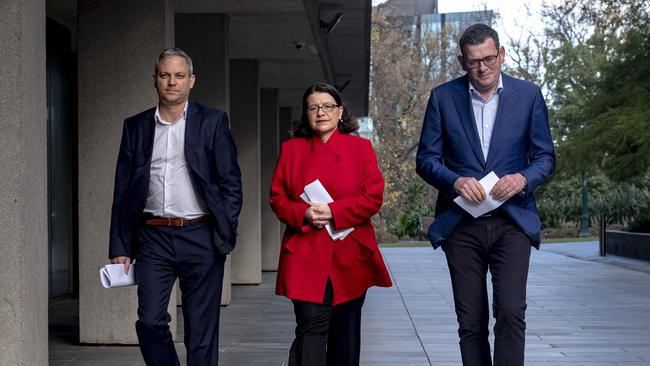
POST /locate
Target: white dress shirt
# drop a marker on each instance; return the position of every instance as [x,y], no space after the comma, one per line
[171,193]
[485,114]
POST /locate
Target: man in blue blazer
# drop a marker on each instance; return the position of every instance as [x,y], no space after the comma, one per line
[482,122]
[175,207]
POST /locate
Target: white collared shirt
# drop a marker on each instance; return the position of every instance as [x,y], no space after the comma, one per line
[171,193]
[485,114]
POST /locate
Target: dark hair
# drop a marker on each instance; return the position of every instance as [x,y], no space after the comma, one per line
[346,125]
[477,34]
[168,52]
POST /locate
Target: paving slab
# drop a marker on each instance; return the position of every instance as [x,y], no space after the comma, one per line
[583,310]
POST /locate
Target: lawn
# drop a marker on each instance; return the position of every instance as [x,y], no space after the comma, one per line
[419,244]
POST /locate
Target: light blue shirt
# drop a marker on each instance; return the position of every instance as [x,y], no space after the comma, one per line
[485,114]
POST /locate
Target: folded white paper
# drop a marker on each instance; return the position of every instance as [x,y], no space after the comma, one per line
[316,192]
[488,203]
[112,275]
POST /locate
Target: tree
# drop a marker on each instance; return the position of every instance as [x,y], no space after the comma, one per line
[619,111]
[596,73]
[408,59]
[589,72]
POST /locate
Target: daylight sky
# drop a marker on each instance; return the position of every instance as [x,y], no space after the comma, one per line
[514,19]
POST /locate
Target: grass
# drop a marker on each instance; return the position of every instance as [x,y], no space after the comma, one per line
[568,240]
[406,244]
[420,244]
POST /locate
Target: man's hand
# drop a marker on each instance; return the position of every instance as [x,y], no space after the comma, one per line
[508,186]
[470,189]
[318,214]
[124,260]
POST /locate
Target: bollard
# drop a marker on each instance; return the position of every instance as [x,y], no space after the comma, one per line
[603,228]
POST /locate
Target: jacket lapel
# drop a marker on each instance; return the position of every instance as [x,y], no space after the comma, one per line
[463,105]
[507,104]
[148,135]
[192,128]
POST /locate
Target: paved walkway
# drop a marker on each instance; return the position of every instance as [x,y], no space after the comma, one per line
[582,310]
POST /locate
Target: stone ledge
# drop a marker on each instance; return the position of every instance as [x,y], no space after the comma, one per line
[627,244]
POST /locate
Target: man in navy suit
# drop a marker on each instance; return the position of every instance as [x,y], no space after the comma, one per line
[481,122]
[175,207]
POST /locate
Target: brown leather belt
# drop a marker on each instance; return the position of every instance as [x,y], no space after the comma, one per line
[173,221]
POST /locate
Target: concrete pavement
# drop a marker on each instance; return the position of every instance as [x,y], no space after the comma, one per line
[582,310]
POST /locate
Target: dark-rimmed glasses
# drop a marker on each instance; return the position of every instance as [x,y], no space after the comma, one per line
[488,61]
[327,108]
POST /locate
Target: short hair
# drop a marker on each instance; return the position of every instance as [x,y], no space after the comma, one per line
[477,34]
[346,125]
[168,52]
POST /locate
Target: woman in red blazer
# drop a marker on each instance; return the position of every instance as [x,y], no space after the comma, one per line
[326,278]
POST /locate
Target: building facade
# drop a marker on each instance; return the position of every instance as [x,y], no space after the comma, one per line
[73,70]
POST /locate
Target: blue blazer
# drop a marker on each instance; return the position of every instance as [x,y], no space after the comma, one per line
[450,148]
[212,159]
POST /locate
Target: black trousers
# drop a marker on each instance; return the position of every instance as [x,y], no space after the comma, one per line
[496,244]
[185,253]
[325,334]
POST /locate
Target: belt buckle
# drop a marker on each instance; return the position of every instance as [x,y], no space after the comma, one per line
[174,222]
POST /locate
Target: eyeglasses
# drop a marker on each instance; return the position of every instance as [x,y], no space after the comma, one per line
[487,61]
[327,108]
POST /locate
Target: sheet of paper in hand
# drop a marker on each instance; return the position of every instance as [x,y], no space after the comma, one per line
[488,204]
[112,275]
[316,192]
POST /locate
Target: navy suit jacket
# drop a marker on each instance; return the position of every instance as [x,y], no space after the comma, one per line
[450,148]
[212,159]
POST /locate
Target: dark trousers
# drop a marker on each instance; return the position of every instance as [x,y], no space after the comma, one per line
[325,334]
[185,253]
[498,245]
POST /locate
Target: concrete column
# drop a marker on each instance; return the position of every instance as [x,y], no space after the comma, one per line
[119,41]
[270,147]
[245,124]
[23,183]
[205,38]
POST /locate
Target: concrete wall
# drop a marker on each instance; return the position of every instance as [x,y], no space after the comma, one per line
[23,183]
[270,147]
[115,81]
[245,125]
[205,38]
[627,244]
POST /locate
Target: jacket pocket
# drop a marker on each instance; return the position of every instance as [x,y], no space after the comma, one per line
[291,244]
[370,246]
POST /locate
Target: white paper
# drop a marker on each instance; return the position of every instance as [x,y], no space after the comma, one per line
[488,203]
[112,275]
[316,192]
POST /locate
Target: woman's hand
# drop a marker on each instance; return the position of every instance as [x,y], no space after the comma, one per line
[318,214]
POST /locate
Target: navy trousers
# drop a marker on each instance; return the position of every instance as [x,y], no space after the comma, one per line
[185,253]
[496,244]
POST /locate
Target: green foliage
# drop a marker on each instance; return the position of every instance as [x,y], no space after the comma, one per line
[599,77]
[623,203]
[641,222]
[417,203]
[619,111]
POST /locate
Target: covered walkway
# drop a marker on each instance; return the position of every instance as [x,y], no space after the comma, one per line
[582,310]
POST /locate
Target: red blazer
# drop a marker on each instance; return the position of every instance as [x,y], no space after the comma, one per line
[347,167]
